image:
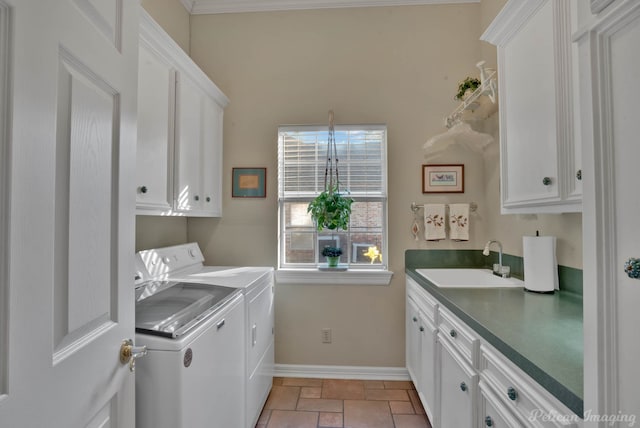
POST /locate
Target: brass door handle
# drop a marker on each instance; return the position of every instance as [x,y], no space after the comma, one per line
[129,353]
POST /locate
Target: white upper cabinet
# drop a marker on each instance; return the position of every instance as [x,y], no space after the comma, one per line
[540,167]
[179,146]
[154,158]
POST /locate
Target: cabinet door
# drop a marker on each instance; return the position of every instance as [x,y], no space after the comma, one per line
[212,157]
[538,154]
[428,363]
[413,346]
[154,158]
[528,114]
[189,158]
[457,388]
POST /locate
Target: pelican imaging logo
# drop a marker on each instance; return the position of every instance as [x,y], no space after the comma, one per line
[619,419]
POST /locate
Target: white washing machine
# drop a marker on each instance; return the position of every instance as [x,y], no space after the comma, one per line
[184,263]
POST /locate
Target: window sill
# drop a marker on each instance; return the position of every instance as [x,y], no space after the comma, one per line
[347,277]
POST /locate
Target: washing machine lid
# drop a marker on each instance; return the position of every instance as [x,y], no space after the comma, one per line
[172,308]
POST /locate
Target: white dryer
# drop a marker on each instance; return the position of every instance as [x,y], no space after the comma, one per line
[184,263]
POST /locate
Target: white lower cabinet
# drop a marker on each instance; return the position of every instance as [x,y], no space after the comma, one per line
[428,361]
[458,386]
[492,412]
[413,346]
[463,381]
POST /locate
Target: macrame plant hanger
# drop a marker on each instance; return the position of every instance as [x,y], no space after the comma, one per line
[331,165]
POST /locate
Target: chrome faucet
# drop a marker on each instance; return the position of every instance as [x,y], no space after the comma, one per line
[499,269]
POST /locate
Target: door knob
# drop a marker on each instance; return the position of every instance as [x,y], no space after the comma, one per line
[129,353]
[632,268]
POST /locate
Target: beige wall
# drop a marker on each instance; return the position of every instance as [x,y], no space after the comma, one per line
[172,17]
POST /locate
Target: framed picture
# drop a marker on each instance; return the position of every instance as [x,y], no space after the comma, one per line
[443,178]
[249,183]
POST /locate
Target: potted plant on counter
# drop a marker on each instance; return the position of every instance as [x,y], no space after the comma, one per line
[333,256]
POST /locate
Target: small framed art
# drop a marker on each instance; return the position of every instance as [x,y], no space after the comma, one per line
[443,178]
[249,183]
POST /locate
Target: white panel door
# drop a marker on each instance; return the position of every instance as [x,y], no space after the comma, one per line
[611,233]
[68,292]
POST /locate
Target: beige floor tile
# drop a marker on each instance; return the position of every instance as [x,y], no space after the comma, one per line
[398,384]
[367,414]
[283,398]
[330,420]
[319,405]
[387,394]
[341,389]
[415,400]
[401,407]
[301,381]
[411,421]
[290,419]
[310,392]
[373,384]
[277,381]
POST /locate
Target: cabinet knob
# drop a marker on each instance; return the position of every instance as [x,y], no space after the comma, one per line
[512,393]
[546,181]
[579,174]
[453,333]
[421,328]
[414,319]
[143,189]
[632,268]
[208,198]
[488,421]
[463,386]
[196,197]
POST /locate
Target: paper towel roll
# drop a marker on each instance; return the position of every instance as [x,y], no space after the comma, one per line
[540,264]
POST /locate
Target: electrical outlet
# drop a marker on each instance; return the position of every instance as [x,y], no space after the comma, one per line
[326,335]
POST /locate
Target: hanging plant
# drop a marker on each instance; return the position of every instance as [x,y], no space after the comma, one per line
[330,209]
[468,84]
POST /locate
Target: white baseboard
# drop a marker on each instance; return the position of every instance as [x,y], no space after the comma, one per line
[341,372]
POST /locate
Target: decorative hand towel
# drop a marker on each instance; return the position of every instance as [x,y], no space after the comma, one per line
[434,222]
[415,228]
[459,222]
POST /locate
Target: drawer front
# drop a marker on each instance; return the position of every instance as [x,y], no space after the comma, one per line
[493,413]
[427,304]
[521,394]
[461,337]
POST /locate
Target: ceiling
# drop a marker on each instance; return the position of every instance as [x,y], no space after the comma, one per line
[196,7]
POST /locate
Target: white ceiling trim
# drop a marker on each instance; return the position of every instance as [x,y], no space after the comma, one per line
[201,7]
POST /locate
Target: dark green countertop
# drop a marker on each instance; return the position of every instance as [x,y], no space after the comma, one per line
[540,333]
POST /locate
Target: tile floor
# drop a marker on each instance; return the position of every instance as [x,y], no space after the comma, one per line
[336,403]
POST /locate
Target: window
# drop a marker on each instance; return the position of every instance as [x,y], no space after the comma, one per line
[302,153]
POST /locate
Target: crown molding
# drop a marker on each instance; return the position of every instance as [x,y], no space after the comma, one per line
[188,4]
[200,7]
[512,16]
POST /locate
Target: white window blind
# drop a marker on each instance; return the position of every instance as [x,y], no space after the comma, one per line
[302,153]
